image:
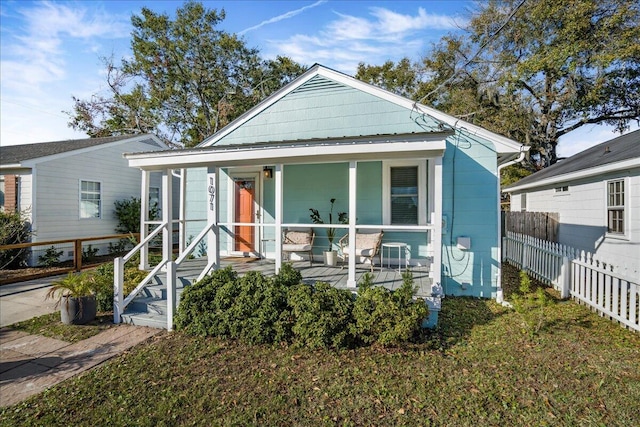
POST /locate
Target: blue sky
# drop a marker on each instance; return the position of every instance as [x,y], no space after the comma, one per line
[50,51]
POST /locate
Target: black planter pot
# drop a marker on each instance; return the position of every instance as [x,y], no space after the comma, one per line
[78,311]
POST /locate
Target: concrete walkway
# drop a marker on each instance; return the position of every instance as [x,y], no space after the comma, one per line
[30,364]
[25,300]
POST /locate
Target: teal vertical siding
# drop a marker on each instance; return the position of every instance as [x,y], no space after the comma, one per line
[470,206]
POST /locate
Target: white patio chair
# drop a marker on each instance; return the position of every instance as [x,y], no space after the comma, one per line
[298,240]
[367,245]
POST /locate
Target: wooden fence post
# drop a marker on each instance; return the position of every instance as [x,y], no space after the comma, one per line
[77,255]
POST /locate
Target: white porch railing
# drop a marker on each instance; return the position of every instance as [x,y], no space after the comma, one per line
[119,301]
[170,266]
[612,291]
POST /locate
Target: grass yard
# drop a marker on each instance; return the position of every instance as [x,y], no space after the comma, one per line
[481,367]
[49,325]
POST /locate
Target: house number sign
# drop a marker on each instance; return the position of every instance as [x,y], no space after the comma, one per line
[212,193]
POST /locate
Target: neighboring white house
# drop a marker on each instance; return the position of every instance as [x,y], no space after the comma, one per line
[596,194]
[67,189]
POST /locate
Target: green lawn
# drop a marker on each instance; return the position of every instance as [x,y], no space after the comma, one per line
[49,325]
[481,367]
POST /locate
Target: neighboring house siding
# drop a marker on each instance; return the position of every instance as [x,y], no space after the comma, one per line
[56,212]
[470,206]
[583,216]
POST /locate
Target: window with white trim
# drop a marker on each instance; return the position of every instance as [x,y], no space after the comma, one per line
[90,199]
[405,193]
[523,202]
[615,207]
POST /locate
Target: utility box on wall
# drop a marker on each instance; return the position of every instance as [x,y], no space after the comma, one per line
[464,243]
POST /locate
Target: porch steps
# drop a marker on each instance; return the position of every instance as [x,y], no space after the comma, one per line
[149,307]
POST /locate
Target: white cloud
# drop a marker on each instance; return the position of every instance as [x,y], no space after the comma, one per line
[49,50]
[281,17]
[380,35]
[36,47]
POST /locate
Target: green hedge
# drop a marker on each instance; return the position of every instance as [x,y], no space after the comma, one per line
[281,309]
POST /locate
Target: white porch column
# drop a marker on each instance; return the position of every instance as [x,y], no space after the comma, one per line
[279,206]
[436,220]
[213,237]
[167,244]
[182,226]
[144,217]
[353,170]
[167,217]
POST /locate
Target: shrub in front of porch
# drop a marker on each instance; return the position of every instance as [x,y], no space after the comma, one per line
[387,317]
[252,308]
[261,310]
[322,315]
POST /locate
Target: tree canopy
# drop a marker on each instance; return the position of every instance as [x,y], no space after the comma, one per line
[185,80]
[532,70]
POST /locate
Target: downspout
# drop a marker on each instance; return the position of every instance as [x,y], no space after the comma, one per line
[499,294]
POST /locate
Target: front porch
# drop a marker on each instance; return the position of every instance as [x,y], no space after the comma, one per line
[149,307]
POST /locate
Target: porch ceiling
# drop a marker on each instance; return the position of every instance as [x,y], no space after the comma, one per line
[328,151]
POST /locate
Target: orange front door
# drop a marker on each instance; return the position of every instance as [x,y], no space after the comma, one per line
[245,212]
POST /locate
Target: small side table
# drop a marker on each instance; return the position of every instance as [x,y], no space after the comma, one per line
[263,248]
[394,245]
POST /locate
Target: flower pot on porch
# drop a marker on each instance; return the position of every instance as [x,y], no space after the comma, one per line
[330,258]
[78,310]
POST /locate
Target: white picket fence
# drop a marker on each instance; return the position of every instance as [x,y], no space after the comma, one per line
[613,291]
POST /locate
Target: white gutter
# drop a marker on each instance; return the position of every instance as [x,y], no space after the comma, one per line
[499,294]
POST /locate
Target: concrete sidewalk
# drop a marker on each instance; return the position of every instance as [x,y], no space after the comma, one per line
[30,364]
[25,300]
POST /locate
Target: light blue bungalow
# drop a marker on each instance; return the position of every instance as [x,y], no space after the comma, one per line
[428,180]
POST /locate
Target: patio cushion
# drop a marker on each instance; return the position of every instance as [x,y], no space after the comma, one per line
[296,248]
[297,238]
[367,241]
[359,251]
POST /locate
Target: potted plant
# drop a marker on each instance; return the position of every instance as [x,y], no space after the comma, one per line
[76,298]
[330,255]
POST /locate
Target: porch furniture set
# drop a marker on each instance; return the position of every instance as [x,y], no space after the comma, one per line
[367,245]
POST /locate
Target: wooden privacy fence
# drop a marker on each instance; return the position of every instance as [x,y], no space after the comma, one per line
[613,291]
[541,225]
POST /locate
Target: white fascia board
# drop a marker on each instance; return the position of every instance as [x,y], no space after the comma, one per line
[585,173]
[13,169]
[292,153]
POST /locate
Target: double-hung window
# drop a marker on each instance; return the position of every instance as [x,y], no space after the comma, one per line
[615,207]
[405,193]
[90,199]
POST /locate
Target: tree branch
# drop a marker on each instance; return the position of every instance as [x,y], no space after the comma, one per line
[618,115]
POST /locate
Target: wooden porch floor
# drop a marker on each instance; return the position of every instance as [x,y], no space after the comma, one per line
[388,277]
